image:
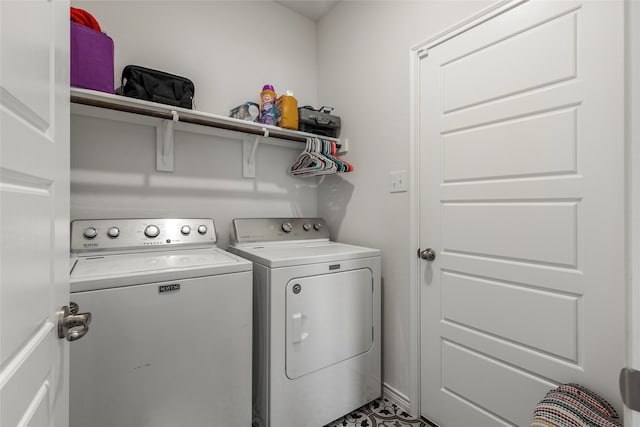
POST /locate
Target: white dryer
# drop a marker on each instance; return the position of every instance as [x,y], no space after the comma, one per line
[317,348]
[170,340]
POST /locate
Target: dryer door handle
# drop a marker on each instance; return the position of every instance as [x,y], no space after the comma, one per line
[297,334]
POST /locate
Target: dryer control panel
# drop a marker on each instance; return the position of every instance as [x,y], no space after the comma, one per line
[140,234]
[248,230]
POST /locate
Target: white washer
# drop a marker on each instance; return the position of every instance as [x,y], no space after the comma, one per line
[316,321]
[170,340]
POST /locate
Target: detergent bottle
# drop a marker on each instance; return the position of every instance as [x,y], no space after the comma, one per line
[268,105]
[287,111]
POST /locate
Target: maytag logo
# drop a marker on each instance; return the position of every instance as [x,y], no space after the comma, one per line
[169,288]
[334,267]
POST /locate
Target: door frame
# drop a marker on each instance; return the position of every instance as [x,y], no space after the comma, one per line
[632,147]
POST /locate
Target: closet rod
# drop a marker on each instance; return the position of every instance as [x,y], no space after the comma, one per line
[185,118]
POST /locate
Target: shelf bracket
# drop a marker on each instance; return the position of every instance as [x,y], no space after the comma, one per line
[164,144]
[344,147]
[249,147]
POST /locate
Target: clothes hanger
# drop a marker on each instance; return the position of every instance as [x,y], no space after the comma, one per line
[319,158]
[312,162]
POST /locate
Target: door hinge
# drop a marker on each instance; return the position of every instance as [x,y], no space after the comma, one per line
[630,388]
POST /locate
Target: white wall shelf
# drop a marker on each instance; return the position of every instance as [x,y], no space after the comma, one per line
[167,119]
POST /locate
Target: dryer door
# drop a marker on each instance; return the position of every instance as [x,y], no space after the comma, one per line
[329,319]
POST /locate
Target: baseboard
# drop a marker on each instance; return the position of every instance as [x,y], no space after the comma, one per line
[396,397]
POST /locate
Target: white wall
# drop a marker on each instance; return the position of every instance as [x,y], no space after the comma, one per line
[363,71]
[222,47]
[113,175]
[228,48]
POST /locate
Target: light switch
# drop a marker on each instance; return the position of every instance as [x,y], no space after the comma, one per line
[398,182]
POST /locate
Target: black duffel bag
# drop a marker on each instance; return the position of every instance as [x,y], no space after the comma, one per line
[157,86]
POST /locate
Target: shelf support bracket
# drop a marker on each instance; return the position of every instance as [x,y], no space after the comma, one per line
[344,147]
[164,144]
[249,147]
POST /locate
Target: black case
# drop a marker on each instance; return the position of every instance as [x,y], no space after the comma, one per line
[318,122]
[157,86]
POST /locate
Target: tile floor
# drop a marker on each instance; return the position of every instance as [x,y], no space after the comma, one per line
[379,413]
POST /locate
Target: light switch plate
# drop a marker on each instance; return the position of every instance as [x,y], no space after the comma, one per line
[398,182]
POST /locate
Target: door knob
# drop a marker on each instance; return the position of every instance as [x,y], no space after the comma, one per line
[71,324]
[427,254]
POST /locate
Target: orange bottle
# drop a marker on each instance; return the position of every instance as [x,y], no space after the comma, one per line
[287,111]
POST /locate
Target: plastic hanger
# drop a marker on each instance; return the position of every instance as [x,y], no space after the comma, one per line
[319,158]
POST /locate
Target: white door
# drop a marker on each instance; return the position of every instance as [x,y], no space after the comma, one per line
[34,211]
[522,200]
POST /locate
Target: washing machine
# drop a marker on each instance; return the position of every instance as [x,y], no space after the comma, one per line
[170,339]
[317,340]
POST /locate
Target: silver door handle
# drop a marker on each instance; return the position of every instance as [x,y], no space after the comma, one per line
[71,324]
[427,254]
[630,388]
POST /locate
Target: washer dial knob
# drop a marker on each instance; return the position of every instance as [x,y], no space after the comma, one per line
[113,232]
[185,230]
[317,226]
[202,229]
[287,227]
[90,233]
[306,227]
[151,231]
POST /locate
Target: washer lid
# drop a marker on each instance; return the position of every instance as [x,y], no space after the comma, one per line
[100,272]
[276,255]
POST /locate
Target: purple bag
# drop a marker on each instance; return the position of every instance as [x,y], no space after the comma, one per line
[91,59]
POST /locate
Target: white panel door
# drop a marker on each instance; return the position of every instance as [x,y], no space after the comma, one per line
[522,199]
[34,211]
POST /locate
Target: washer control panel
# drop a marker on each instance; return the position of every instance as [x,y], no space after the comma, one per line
[275,229]
[126,233]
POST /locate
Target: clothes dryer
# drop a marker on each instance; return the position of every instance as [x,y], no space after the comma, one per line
[170,341]
[317,340]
